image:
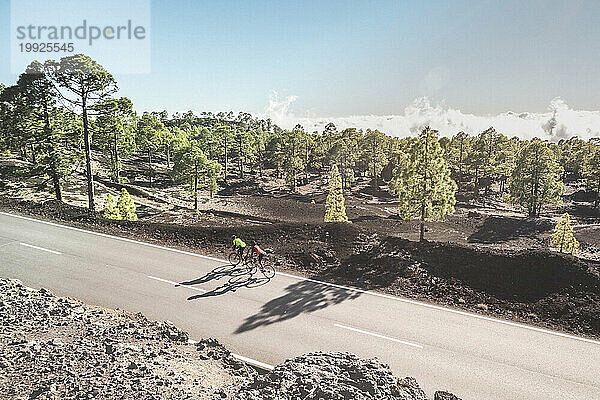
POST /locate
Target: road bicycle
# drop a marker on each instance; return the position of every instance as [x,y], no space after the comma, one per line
[236,258]
[253,263]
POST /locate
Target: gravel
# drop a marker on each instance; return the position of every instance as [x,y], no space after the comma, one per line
[335,376]
[58,348]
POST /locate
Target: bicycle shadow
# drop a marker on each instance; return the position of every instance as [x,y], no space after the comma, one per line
[247,281]
[216,274]
[238,277]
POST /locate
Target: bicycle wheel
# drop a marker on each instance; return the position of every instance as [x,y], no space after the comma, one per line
[267,270]
[235,258]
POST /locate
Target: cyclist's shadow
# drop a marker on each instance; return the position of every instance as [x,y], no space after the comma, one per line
[238,277]
[216,274]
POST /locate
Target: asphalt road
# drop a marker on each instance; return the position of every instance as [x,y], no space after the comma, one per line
[268,321]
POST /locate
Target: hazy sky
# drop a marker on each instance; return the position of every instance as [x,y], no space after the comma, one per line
[365,57]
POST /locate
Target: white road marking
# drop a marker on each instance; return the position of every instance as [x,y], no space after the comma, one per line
[156,246]
[177,284]
[253,362]
[40,248]
[418,346]
[244,359]
[385,296]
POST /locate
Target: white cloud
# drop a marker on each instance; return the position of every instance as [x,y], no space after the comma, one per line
[560,121]
[278,110]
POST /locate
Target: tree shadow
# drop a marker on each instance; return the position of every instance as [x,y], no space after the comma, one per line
[301,297]
[582,212]
[502,229]
[25,170]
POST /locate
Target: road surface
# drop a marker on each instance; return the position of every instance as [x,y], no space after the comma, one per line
[475,357]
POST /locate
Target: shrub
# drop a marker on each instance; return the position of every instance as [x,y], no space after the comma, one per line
[126,206]
[111,211]
[335,210]
[563,238]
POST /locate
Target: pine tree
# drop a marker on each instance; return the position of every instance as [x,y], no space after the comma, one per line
[111,211]
[571,155]
[212,186]
[224,135]
[535,179]
[423,183]
[591,172]
[115,131]
[190,164]
[481,159]
[149,132]
[88,82]
[31,119]
[126,206]
[563,238]
[293,162]
[504,159]
[373,146]
[335,210]
[457,154]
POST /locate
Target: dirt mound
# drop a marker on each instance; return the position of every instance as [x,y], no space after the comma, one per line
[581,195]
[495,229]
[50,209]
[133,190]
[332,376]
[509,275]
[536,286]
[54,347]
[248,186]
[292,243]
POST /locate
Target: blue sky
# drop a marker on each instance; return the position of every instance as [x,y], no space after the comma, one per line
[364,57]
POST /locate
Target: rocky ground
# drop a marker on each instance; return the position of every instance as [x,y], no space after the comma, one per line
[59,348]
[335,376]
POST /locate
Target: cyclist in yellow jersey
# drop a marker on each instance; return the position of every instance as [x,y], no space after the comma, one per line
[239,245]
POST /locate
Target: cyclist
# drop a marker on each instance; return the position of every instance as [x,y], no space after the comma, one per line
[258,252]
[239,245]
